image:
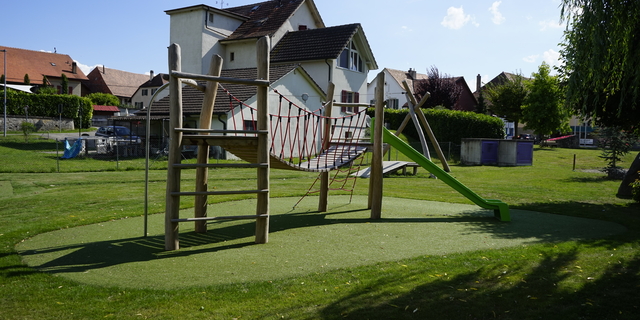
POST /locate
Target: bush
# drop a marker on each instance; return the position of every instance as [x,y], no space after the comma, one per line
[450,125]
[46,105]
[27,128]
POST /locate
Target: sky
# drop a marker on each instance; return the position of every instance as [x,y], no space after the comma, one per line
[459,38]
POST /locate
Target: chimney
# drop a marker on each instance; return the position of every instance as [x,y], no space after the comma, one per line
[478,83]
[412,74]
[103,70]
[74,67]
[151,75]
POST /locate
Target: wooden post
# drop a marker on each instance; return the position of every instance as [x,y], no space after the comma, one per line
[324,176]
[375,180]
[426,125]
[202,173]
[172,210]
[262,208]
[412,112]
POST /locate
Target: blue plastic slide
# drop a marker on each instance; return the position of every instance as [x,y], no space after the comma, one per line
[72,151]
[500,209]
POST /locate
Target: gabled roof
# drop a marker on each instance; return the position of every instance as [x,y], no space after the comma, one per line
[399,76]
[37,64]
[116,82]
[265,18]
[192,97]
[157,81]
[313,44]
[106,108]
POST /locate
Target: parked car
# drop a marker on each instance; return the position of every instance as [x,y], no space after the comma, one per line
[119,133]
[526,136]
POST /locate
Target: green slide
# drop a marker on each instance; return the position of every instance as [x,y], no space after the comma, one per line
[500,209]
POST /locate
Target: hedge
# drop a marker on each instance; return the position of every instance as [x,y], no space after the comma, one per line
[449,125]
[46,105]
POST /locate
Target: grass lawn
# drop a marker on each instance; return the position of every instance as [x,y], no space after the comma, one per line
[589,279]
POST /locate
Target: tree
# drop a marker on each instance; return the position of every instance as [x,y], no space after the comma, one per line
[601,51]
[103,99]
[602,58]
[507,99]
[26,79]
[544,112]
[442,87]
[65,84]
[45,81]
[615,144]
[2,79]
[482,105]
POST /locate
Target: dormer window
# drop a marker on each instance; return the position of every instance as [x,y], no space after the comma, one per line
[350,58]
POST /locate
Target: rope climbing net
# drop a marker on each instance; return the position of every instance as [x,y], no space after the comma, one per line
[308,140]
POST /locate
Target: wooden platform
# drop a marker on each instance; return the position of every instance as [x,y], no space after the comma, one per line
[390,167]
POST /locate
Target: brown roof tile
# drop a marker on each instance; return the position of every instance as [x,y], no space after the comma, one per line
[116,82]
[314,44]
[264,18]
[37,64]
[192,98]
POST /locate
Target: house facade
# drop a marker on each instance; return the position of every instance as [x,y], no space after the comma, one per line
[38,64]
[121,84]
[297,35]
[142,97]
[395,94]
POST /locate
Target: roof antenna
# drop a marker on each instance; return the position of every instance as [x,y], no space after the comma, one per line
[54,50]
[222,3]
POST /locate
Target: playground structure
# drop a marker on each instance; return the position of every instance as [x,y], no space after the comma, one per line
[300,140]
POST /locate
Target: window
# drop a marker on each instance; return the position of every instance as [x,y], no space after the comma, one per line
[302,27]
[250,125]
[153,91]
[232,56]
[145,92]
[70,90]
[392,104]
[59,89]
[349,97]
[350,58]
[139,105]
[210,16]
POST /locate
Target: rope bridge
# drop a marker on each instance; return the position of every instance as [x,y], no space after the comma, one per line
[299,139]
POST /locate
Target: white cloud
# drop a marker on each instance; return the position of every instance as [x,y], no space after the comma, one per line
[552,57]
[455,18]
[85,68]
[550,24]
[497,18]
[531,59]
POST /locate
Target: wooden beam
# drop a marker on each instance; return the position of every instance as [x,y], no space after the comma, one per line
[375,180]
[262,117]
[202,173]
[172,210]
[324,176]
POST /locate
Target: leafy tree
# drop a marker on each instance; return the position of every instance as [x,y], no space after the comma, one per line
[601,54]
[508,98]
[65,84]
[482,105]
[442,87]
[47,90]
[103,99]
[27,129]
[615,143]
[2,79]
[601,57]
[544,112]
[45,81]
[26,79]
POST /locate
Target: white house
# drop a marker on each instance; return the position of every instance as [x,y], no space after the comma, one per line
[142,97]
[305,56]
[394,92]
[297,34]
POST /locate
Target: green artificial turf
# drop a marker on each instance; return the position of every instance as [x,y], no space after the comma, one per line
[302,241]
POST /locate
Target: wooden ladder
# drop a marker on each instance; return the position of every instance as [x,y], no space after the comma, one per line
[257,141]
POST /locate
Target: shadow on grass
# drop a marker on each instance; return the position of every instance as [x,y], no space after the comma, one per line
[513,291]
[101,254]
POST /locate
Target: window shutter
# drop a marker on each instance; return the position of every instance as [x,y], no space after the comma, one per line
[343,99]
[356,99]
